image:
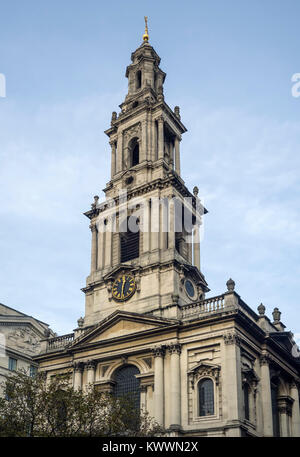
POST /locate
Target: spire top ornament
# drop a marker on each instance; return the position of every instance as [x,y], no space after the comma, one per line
[146,35]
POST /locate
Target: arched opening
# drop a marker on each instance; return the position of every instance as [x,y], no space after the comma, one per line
[206,397]
[134,152]
[130,239]
[138,79]
[127,386]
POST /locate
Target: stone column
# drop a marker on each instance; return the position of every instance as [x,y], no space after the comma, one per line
[177,155]
[284,418]
[155,223]
[94,248]
[159,384]
[90,367]
[113,158]
[160,137]
[171,225]
[266,397]
[143,390]
[108,242]
[233,380]
[175,350]
[295,410]
[101,240]
[120,152]
[146,225]
[143,151]
[196,246]
[78,369]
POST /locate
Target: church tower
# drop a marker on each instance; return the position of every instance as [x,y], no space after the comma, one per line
[201,366]
[145,254]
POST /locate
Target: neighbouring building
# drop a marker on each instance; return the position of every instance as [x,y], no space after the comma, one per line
[201,366]
[20,341]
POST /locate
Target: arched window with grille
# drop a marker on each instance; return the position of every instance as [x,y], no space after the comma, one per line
[127,385]
[130,239]
[206,397]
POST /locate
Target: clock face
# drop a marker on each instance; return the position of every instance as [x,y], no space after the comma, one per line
[190,289]
[123,287]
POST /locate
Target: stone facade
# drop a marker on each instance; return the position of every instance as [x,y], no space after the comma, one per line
[207,366]
[20,341]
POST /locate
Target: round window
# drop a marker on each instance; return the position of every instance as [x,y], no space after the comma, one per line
[190,289]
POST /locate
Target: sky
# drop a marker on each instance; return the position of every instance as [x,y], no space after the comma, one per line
[229,66]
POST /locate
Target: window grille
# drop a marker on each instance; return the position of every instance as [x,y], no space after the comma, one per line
[127,385]
[206,397]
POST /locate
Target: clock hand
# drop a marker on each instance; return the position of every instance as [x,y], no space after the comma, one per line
[123,285]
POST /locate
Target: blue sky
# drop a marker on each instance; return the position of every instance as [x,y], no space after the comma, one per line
[229,66]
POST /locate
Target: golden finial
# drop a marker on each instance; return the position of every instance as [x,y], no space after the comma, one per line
[146,36]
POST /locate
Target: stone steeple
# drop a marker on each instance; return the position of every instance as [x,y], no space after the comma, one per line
[162,255]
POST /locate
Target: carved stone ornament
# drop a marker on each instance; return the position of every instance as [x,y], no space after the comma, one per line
[78,366]
[250,377]
[202,370]
[134,131]
[90,364]
[158,351]
[174,348]
[25,339]
[231,338]
[230,285]
[261,309]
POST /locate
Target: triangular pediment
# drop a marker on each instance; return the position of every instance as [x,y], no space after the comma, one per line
[120,269]
[120,324]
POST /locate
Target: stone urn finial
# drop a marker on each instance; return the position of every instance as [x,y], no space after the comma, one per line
[80,322]
[261,309]
[230,285]
[113,117]
[94,205]
[177,111]
[276,315]
[196,191]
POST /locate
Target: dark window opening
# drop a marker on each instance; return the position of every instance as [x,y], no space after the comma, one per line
[206,397]
[275,412]
[135,104]
[135,155]
[130,240]
[246,401]
[139,79]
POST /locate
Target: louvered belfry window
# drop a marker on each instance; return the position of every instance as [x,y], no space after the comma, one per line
[130,244]
[127,385]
